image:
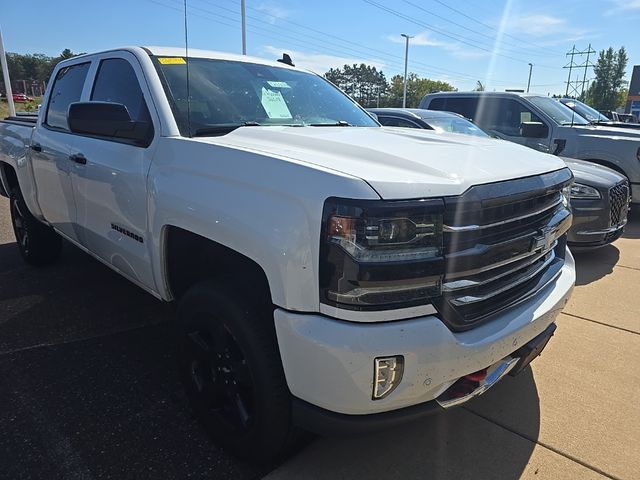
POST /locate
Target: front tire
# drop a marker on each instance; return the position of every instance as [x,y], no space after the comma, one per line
[232,372]
[38,243]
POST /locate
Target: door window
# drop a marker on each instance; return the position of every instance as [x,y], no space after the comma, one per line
[503,115]
[116,82]
[67,88]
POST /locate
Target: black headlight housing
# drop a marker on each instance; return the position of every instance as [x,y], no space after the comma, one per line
[377,255]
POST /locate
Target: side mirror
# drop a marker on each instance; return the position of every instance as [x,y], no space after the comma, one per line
[106,119]
[533,130]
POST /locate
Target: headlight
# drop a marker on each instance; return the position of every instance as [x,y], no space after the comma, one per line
[579,190]
[377,254]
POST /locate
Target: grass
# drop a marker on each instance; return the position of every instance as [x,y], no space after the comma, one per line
[20,107]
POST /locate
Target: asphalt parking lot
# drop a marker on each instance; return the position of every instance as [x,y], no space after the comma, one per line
[88,389]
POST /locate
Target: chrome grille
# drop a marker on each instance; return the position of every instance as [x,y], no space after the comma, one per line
[514,246]
[619,201]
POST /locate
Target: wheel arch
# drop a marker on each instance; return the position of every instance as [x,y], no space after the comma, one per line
[8,179]
[609,164]
[189,258]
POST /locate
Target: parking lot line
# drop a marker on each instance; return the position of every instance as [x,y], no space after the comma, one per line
[586,382]
[458,445]
[611,299]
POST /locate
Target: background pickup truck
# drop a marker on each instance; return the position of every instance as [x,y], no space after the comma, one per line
[547,125]
[331,274]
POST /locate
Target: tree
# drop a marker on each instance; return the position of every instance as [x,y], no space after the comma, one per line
[607,91]
[479,87]
[364,83]
[35,67]
[416,89]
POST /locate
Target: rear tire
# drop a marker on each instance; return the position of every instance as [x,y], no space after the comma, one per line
[38,243]
[232,372]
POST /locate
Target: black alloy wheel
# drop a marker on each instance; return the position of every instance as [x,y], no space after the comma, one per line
[219,374]
[38,243]
[232,372]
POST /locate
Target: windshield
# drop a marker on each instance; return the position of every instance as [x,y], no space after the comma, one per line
[230,93]
[561,114]
[585,111]
[455,124]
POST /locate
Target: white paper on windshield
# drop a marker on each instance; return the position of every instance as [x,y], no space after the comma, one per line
[278,84]
[274,104]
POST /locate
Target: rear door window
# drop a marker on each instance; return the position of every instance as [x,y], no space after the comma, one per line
[465,106]
[67,89]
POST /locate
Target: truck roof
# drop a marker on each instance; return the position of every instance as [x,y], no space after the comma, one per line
[487,94]
[193,53]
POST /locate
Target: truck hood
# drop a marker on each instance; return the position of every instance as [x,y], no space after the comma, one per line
[397,163]
[605,131]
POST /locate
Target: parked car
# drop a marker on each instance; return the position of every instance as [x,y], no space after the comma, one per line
[593,115]
[427,119]
[21,98]
[620,117]
[330,274]
[599,197]
[544,124]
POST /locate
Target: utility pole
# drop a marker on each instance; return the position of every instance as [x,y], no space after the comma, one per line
[572,53]
[575,88]
[586,64]
[406,60]
[7,80]
[529,82]
[244,26]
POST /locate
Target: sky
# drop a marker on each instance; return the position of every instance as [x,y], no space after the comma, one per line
[458,41]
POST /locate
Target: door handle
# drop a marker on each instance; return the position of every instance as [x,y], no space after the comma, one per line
[78,158]
[36,147]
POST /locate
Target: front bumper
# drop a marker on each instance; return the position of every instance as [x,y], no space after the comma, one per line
[325,422]
[328,363]
[591,225]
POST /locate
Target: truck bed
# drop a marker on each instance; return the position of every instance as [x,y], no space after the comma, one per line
[29,120]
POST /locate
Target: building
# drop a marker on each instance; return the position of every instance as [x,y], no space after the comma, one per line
[633,102]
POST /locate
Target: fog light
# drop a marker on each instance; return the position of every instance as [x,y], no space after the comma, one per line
[387,375]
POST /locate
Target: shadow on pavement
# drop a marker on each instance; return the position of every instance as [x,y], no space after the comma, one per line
[632,229]
[109,407]
[459,444]
[88,386]
[75,298]
[592,265]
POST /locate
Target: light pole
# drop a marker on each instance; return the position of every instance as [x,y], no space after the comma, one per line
[244,26]
[7,80]
[406,59]
[529,82]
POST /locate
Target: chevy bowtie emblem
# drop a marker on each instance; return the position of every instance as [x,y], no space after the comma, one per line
[543,241]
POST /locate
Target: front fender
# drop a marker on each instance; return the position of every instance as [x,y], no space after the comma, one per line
[267,209]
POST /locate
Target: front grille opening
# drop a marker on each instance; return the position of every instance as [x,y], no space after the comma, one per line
[502,249]
[618,198]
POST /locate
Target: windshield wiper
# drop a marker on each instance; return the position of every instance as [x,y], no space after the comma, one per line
[222,129]
[339,123]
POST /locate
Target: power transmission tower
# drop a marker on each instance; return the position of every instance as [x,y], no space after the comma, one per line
[575,88]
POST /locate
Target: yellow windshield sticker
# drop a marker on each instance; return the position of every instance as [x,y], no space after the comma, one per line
[172,60]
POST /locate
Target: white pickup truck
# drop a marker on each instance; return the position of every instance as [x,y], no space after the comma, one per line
[332,274]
